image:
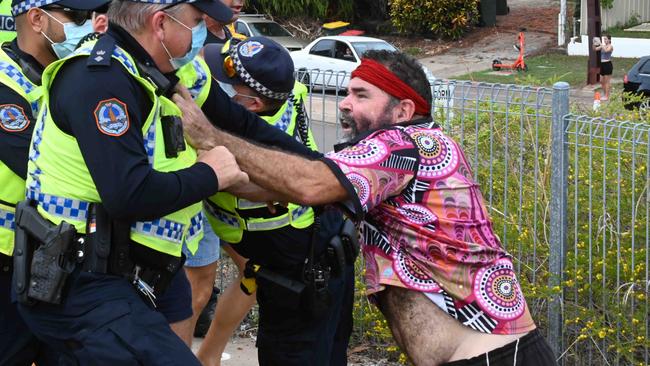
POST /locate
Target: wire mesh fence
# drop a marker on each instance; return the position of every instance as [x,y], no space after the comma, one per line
[568,196]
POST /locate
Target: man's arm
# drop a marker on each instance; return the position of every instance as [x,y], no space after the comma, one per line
[296,179]
[16,126]
[232,117]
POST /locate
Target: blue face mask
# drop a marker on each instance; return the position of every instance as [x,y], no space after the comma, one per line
[73,34]
[199,34]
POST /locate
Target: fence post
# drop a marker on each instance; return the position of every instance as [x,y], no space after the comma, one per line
[558,215]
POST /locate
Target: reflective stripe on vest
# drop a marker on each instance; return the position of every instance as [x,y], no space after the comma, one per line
[256,224]
[285,120]
[68,208]
[7,219]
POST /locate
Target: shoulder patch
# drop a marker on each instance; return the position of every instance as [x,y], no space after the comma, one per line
[13,118]
[112,117]
[250,48]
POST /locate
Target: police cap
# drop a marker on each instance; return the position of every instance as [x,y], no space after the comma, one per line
[22,6]
[215,9]
[258,62]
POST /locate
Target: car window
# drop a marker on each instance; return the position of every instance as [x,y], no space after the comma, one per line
[343,52]
[362,47]
[269,29]
[240,28]
[323,48]
[645,67]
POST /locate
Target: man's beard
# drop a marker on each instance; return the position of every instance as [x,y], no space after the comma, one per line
[352,128]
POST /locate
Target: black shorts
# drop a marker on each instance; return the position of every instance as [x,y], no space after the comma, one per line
[606,68]
[531,350]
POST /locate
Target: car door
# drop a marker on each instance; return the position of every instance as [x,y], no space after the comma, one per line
[318,61]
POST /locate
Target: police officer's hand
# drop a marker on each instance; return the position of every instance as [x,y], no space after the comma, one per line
[225,167]
[196,126]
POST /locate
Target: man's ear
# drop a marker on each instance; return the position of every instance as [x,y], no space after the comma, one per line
[36,19]
[257,105]
[158,25]
[405,110]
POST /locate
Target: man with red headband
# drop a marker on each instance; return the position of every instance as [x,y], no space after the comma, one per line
[433,264]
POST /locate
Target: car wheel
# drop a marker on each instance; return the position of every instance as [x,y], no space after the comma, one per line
[644,109]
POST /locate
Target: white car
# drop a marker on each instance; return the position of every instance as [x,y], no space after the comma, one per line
[328,61]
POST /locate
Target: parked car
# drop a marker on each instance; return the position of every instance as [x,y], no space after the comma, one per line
[252,25]
[328,61]
[637,82]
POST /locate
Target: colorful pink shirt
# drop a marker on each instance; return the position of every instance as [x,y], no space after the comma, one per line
[430,232]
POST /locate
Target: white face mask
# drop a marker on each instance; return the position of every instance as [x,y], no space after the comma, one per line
[73,34]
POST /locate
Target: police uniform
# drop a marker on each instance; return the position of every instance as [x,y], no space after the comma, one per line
[279,242]
[19,100]
[100,147]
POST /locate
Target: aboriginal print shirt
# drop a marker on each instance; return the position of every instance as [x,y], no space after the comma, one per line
[425,226]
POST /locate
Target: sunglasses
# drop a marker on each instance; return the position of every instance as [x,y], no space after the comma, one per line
[78,17]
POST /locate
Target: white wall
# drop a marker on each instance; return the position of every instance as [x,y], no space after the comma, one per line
[623,47]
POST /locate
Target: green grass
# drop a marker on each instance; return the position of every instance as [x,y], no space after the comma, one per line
[548,69]
[619,32]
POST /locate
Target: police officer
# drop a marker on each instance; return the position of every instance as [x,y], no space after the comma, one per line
[109,158]
[258,73]
[7,23]
[282,106]
[21,64]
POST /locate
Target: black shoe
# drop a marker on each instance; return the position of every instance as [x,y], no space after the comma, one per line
[206,316]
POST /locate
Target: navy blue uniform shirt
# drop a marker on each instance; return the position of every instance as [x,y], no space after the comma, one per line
[128,186]
[14,144]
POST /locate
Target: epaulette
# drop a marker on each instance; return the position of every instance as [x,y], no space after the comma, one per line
[101,55]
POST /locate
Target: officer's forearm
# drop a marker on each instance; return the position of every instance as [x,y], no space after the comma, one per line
[299,180]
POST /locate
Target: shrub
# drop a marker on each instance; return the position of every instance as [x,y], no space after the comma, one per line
[312,8]
[446,18]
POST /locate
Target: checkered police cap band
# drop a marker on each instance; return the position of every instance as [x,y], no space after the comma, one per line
[249,80]
[23,6]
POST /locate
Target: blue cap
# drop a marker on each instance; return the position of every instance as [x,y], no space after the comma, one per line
[258,62]
[215,9]
[22,6]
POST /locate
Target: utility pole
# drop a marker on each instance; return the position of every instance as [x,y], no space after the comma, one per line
[561,24]
[593,30]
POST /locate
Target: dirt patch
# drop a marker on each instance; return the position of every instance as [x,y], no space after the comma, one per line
[536,21]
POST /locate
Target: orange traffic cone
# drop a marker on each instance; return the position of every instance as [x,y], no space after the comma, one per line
[596,101]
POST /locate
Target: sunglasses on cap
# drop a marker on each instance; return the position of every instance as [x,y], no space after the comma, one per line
[78,17]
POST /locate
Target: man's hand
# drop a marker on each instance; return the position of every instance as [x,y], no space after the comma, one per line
[196,126]
[225,167]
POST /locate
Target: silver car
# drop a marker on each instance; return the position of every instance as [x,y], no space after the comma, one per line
[252,25]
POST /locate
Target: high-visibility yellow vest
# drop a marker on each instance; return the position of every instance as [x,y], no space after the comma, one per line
[12,187]
[59,179]
[222,209]
[7,24]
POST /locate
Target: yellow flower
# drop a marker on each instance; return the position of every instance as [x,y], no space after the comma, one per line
[602,333]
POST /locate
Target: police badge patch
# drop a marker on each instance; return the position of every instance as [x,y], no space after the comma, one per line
[13,118]
[111,117]
[250,48]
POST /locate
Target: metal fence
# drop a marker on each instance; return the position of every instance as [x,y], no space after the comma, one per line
[568,196]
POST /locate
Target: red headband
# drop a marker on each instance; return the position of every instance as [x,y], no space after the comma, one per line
[379,76]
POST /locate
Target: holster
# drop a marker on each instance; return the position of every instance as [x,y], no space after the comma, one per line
[110,250]
[282,288]
[44,256]
[343,248]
